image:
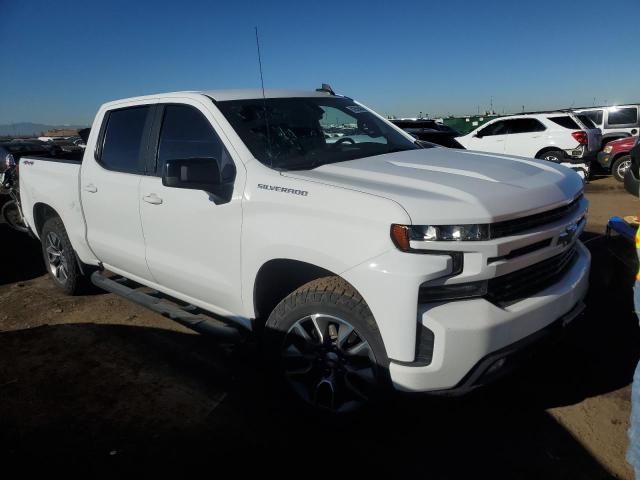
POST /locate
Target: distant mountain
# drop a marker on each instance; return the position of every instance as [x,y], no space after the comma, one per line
[28,128]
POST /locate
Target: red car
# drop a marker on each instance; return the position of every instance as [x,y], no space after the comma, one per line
[615,156]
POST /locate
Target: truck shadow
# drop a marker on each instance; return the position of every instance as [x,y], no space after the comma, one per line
[21,256]
[599,353]
[114,397]
[120,398]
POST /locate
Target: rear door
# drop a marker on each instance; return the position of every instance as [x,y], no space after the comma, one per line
[489,138]
[525,136]
[109,189]
[193,239]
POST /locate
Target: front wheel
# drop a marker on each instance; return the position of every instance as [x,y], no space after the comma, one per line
[325,343]
[59,256]
[12,216]
[620,167]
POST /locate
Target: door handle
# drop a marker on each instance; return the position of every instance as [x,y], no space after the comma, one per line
[152,198]
[91,188]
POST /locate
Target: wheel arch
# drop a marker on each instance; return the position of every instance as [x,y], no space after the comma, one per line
[548,149]
[618,155]
[279,277]
[41,213]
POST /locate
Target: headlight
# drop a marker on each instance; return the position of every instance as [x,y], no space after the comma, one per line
[402,235]
[607,149]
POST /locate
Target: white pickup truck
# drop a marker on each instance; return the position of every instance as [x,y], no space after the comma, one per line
[364,263]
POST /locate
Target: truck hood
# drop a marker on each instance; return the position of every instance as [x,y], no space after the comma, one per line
[446,186]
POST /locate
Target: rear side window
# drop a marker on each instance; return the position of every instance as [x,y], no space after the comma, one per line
[122,142]
[524,125]
[565,121]
[186,133]
[594,115]
[623,116]
[586,121]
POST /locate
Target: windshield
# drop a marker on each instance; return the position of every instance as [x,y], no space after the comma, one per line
[304,133]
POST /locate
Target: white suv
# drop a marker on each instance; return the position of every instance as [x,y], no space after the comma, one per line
[554,136]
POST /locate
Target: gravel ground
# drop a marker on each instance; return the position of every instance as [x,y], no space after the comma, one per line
[97,385]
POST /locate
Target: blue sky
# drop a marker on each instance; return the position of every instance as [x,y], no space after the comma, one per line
[63,59]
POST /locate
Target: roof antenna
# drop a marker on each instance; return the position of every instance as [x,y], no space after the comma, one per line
[264,100]
[326,88]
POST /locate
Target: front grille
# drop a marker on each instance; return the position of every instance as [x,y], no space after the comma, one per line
[527,282]
[519,225]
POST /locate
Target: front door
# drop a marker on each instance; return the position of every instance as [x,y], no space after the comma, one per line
[490,138]
[193,239]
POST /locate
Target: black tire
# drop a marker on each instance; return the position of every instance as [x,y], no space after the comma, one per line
[620,166]
[59,257]
[555,156]
[328,376]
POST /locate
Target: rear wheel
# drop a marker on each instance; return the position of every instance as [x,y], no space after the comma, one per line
[555,156]
[620,167]
[59,256]
[325,343]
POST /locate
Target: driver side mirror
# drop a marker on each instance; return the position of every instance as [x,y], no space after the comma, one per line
[200,174]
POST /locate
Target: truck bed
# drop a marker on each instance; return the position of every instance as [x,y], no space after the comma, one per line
[54,181]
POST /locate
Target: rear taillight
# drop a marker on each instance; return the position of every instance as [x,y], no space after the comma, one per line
[581,137]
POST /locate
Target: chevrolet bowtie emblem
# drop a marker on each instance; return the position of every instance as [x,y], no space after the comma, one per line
[567,236]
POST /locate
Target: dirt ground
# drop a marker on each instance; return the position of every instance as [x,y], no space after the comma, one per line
[98,385]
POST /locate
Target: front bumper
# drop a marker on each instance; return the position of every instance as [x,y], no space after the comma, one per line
[604,159]
[471,335]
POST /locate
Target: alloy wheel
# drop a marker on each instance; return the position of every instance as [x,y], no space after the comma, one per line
[623,167]
[328,363]
[57,258]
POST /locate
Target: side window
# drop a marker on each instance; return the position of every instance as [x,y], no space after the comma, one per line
[586,121]
[523,125]
[594,115]
[497,128]
[186,133]
[623,116]
[122,143]
[566,121]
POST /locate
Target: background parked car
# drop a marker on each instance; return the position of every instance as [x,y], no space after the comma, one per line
[32,148]
[615,156]
[554,136]
[429,131]
[615,122]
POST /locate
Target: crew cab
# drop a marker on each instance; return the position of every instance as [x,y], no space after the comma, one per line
[363,263]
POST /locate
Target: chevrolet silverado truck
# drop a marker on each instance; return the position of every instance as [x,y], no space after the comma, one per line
[365,263]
